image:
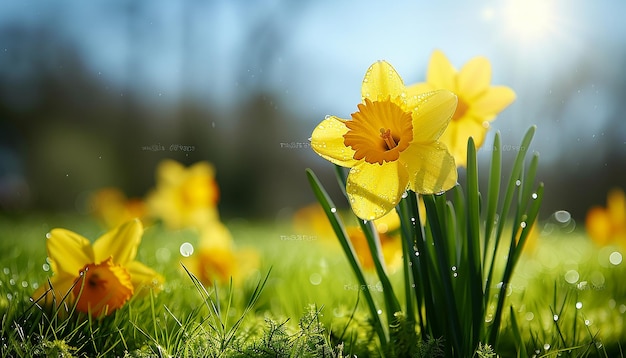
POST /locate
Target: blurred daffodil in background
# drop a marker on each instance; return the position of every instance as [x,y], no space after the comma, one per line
[389,239]
[478,101]
[217,259]
[391,144]
[112,207]
[99,278]
[607,225]
[184,197]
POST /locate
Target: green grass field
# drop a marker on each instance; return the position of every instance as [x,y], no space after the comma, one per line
[567,299]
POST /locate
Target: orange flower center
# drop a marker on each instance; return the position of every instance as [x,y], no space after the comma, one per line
[102,288]
[461,108]
[379,131]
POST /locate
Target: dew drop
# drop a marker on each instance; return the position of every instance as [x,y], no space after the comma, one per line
[45,267]
[24,284]
[546,346]
[327,116]
[333,210]
[518,182]
[587,322]
[379,311]
[530,316]
[48,236]
[486,124]
[186,249]
[405,194]
[522,224]
[555,317]
[534,196]
[579,305]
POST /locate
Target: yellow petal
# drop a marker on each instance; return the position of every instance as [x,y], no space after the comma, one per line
[120,243]
[414,90]
[616,206]
[474,78]
[143,276]
[382,81]
[457,135]
[431,168]
[432,115]
[492,102]
[441,73]
[61,286]
[376,189]
[327,141]
[68,251]
[170,171]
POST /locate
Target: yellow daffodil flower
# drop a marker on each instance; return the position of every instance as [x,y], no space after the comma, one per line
[99,278]
[479,102]
[391,143]
[184,197]
[217,260]
[113,208]
[607,226]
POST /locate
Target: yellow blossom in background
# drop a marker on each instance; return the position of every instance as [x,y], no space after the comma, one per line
[479,102]
[113,208]
[311,220]
[389,238]
[217,260]
[184,197]
[391,144]
[607,225]
[101,277]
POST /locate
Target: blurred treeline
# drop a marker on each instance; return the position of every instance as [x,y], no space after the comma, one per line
[66,129]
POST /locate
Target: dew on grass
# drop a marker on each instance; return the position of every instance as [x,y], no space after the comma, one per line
[6,270]
[622,308]
[518,182]
[45,267]
[587,322]
[546,346]
[529,316]
[534,196]
[24,284]
[579,305]
[379,311]
[555,317]
[186,249]
[333,210]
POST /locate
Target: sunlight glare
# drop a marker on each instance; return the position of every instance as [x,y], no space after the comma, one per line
[530,20]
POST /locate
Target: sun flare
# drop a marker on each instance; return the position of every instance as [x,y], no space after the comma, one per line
[530,20]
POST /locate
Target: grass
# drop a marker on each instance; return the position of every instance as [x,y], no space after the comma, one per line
[303,301]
